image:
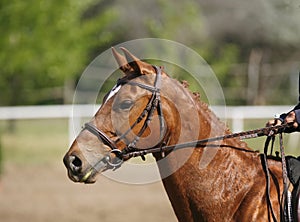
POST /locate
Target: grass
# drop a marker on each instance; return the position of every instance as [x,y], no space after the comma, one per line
[46,141]
[34,141]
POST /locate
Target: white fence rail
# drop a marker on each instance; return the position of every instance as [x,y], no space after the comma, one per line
[75,114]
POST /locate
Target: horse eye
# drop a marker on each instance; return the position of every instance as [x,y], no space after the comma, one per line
[126,104]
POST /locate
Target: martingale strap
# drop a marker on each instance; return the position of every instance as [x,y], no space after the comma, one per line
[286,208]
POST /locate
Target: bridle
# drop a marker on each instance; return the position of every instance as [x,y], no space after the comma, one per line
[153,104]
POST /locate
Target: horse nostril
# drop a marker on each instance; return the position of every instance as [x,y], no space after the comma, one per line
[75,164]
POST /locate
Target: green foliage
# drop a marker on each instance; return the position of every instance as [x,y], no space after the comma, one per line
[180,20]
[33,143]
[221,60]
[46,43]
[43,43]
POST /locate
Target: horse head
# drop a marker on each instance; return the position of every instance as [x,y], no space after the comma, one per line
[133,115]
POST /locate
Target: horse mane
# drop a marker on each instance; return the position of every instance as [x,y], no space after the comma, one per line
[203,108]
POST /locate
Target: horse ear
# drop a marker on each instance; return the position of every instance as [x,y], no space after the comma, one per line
[136,64]
[121,60]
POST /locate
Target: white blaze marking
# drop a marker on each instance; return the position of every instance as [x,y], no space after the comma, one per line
[113,92]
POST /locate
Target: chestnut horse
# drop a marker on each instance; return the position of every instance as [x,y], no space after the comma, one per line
[148,109]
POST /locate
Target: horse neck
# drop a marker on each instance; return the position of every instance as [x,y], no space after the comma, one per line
[182,170]
[193,120]
[199,122]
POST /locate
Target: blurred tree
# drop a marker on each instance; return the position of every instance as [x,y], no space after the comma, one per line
[184,22]
[266,34]
[228,34]
[44,43]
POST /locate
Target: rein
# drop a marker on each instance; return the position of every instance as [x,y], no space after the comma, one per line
[266,131]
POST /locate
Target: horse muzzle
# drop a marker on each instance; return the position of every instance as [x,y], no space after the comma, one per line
[80,174]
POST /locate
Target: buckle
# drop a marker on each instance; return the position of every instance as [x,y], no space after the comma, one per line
[116,162]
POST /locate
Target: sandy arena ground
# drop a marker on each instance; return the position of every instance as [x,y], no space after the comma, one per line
[45,194]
